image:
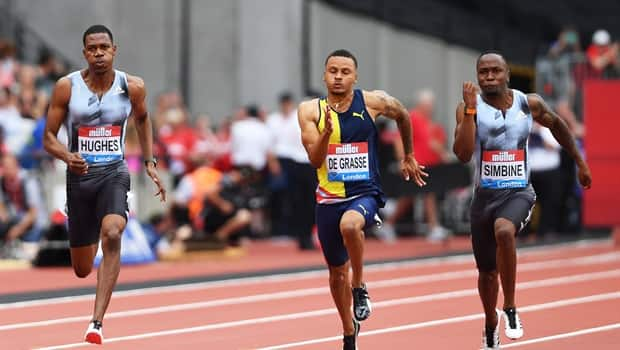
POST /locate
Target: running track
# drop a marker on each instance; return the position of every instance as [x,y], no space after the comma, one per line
[569,297]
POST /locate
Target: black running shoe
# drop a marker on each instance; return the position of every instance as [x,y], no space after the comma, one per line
[349,342]
[361,303]
[490,335]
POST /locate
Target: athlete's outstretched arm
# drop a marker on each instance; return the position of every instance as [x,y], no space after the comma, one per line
[380,103]
[56,115]
[465,131]
[314,141]
[546,117]
[144,128]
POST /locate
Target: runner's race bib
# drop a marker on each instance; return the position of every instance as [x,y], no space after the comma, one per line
[503,169]
[347,162]
[100,144]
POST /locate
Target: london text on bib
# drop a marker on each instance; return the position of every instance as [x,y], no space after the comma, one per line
[100,144]
[347,162]
[503,169]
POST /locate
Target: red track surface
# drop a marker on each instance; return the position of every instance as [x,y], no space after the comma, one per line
[257,256]
[569,298]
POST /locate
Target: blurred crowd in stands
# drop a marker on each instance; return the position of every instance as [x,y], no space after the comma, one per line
[249,176]
[24,94]
[560,73]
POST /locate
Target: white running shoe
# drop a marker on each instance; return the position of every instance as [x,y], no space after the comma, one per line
[438,234]
[386,233]
[490,341]
[512,323]
[94,333]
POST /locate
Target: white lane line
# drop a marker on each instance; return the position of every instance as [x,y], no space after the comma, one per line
[324,290]
[379,304]
[315,313]
[276,278]
[605,328]
[530,308]
[597,258]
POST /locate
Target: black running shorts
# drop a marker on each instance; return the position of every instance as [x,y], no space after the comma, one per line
[92,196]
[489,205]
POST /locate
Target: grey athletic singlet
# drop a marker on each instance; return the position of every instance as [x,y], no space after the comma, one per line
[96,127]
[501,144]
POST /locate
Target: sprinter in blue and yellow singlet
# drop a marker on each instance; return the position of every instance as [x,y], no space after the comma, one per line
[94,104]
[493,127]
[339,134]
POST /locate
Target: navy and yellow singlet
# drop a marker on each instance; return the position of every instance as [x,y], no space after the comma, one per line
[351,167]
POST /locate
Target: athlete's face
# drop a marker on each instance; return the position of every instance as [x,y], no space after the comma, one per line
[493,74]
[99,52]
[340,75]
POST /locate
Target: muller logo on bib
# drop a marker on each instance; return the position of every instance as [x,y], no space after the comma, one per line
[100,144]
[347,162]
[503,156]
[503,169]
[347,148]
[100,132]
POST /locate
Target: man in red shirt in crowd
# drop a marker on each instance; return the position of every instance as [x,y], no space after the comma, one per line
[603,55]
[429,140]
[179,140]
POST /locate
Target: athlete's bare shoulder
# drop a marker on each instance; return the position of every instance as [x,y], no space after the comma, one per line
[375,93]
[63,82]
[135,84]
[308,110]
[374,97]
[137,88]
[62,91]
[137,95]
[135,80]
[379,102]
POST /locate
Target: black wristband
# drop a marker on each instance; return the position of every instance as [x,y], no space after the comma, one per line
[152,160]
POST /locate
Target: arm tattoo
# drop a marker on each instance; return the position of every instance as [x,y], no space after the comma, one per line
[393,107]
[395,110]
[558,127]
[546,116]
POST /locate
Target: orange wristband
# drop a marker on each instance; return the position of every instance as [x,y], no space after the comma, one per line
[470,111]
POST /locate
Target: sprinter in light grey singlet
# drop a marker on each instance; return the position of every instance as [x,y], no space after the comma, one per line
[502,178]
[96,126]
[94,104]
[96,129]
[492,125]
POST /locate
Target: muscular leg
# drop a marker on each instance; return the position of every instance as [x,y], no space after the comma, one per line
[485,250]
[82,259]
[341,293]
[351,228]
[506,258]
[112,227]
[488,287]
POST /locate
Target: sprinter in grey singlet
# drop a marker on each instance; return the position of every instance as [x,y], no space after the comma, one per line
[94,104]
[493,126]
[96,130]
